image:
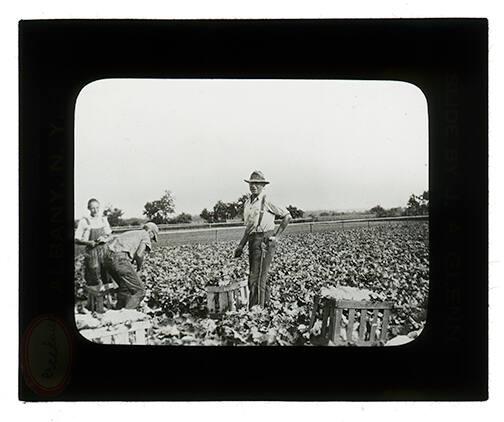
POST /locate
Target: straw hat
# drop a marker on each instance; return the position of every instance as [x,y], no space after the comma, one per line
[257,177]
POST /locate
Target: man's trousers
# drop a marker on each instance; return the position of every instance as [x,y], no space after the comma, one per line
[261,251]
[131,288]
[94,274]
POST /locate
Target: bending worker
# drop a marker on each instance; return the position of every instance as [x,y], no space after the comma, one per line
[120,254]
[259,216]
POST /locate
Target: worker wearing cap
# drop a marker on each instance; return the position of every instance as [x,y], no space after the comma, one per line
[259,215]
[120,254]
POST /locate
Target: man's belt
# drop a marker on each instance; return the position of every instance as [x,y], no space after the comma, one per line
[261,234]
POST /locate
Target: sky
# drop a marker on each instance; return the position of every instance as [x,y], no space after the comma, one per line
[322,144]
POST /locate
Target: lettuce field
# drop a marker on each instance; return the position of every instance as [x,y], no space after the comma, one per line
[391,260]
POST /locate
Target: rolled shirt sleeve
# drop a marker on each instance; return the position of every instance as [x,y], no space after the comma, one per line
[82,232]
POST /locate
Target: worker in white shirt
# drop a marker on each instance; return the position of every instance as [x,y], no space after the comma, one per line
[262,237]
[92,231]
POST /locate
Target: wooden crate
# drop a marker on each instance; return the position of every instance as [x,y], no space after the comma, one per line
[122,334]
[349,322]
[227,298]
[99,296]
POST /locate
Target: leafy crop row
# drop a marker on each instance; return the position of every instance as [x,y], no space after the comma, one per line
[391,260]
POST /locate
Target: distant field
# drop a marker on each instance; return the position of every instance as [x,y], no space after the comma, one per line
[235,233]
[192,236]
[347,216]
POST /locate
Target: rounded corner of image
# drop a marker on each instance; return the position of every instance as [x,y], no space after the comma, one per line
[419,89]
[86,86]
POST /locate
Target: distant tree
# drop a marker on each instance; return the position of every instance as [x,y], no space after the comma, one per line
[413,205]
[232,210]
[424,202]
[220,211]
[395,212]
[314,216]
[378,211]
[181,218]
[324,214]
[134,221]
[223,211]
[295,212]
[113,215]
[159,211]
[418,205]
[207,215]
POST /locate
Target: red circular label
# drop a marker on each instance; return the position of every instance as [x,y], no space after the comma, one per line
[46,355]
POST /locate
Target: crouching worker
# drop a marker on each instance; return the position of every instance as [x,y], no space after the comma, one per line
[120,254]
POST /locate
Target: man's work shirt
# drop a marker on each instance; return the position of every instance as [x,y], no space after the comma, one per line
[130,241]
[88,224]
[251,212]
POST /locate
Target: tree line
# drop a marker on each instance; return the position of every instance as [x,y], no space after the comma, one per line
[160,211]
[225,211]
[416,205]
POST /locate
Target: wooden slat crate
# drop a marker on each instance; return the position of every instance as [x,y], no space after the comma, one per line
[349,322]
[136,334]
[98,297]
[227,298]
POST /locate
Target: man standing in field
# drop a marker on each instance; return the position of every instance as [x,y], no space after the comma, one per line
[118,257]
[259,216]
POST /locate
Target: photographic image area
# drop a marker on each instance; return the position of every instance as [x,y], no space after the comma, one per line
[251,212]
